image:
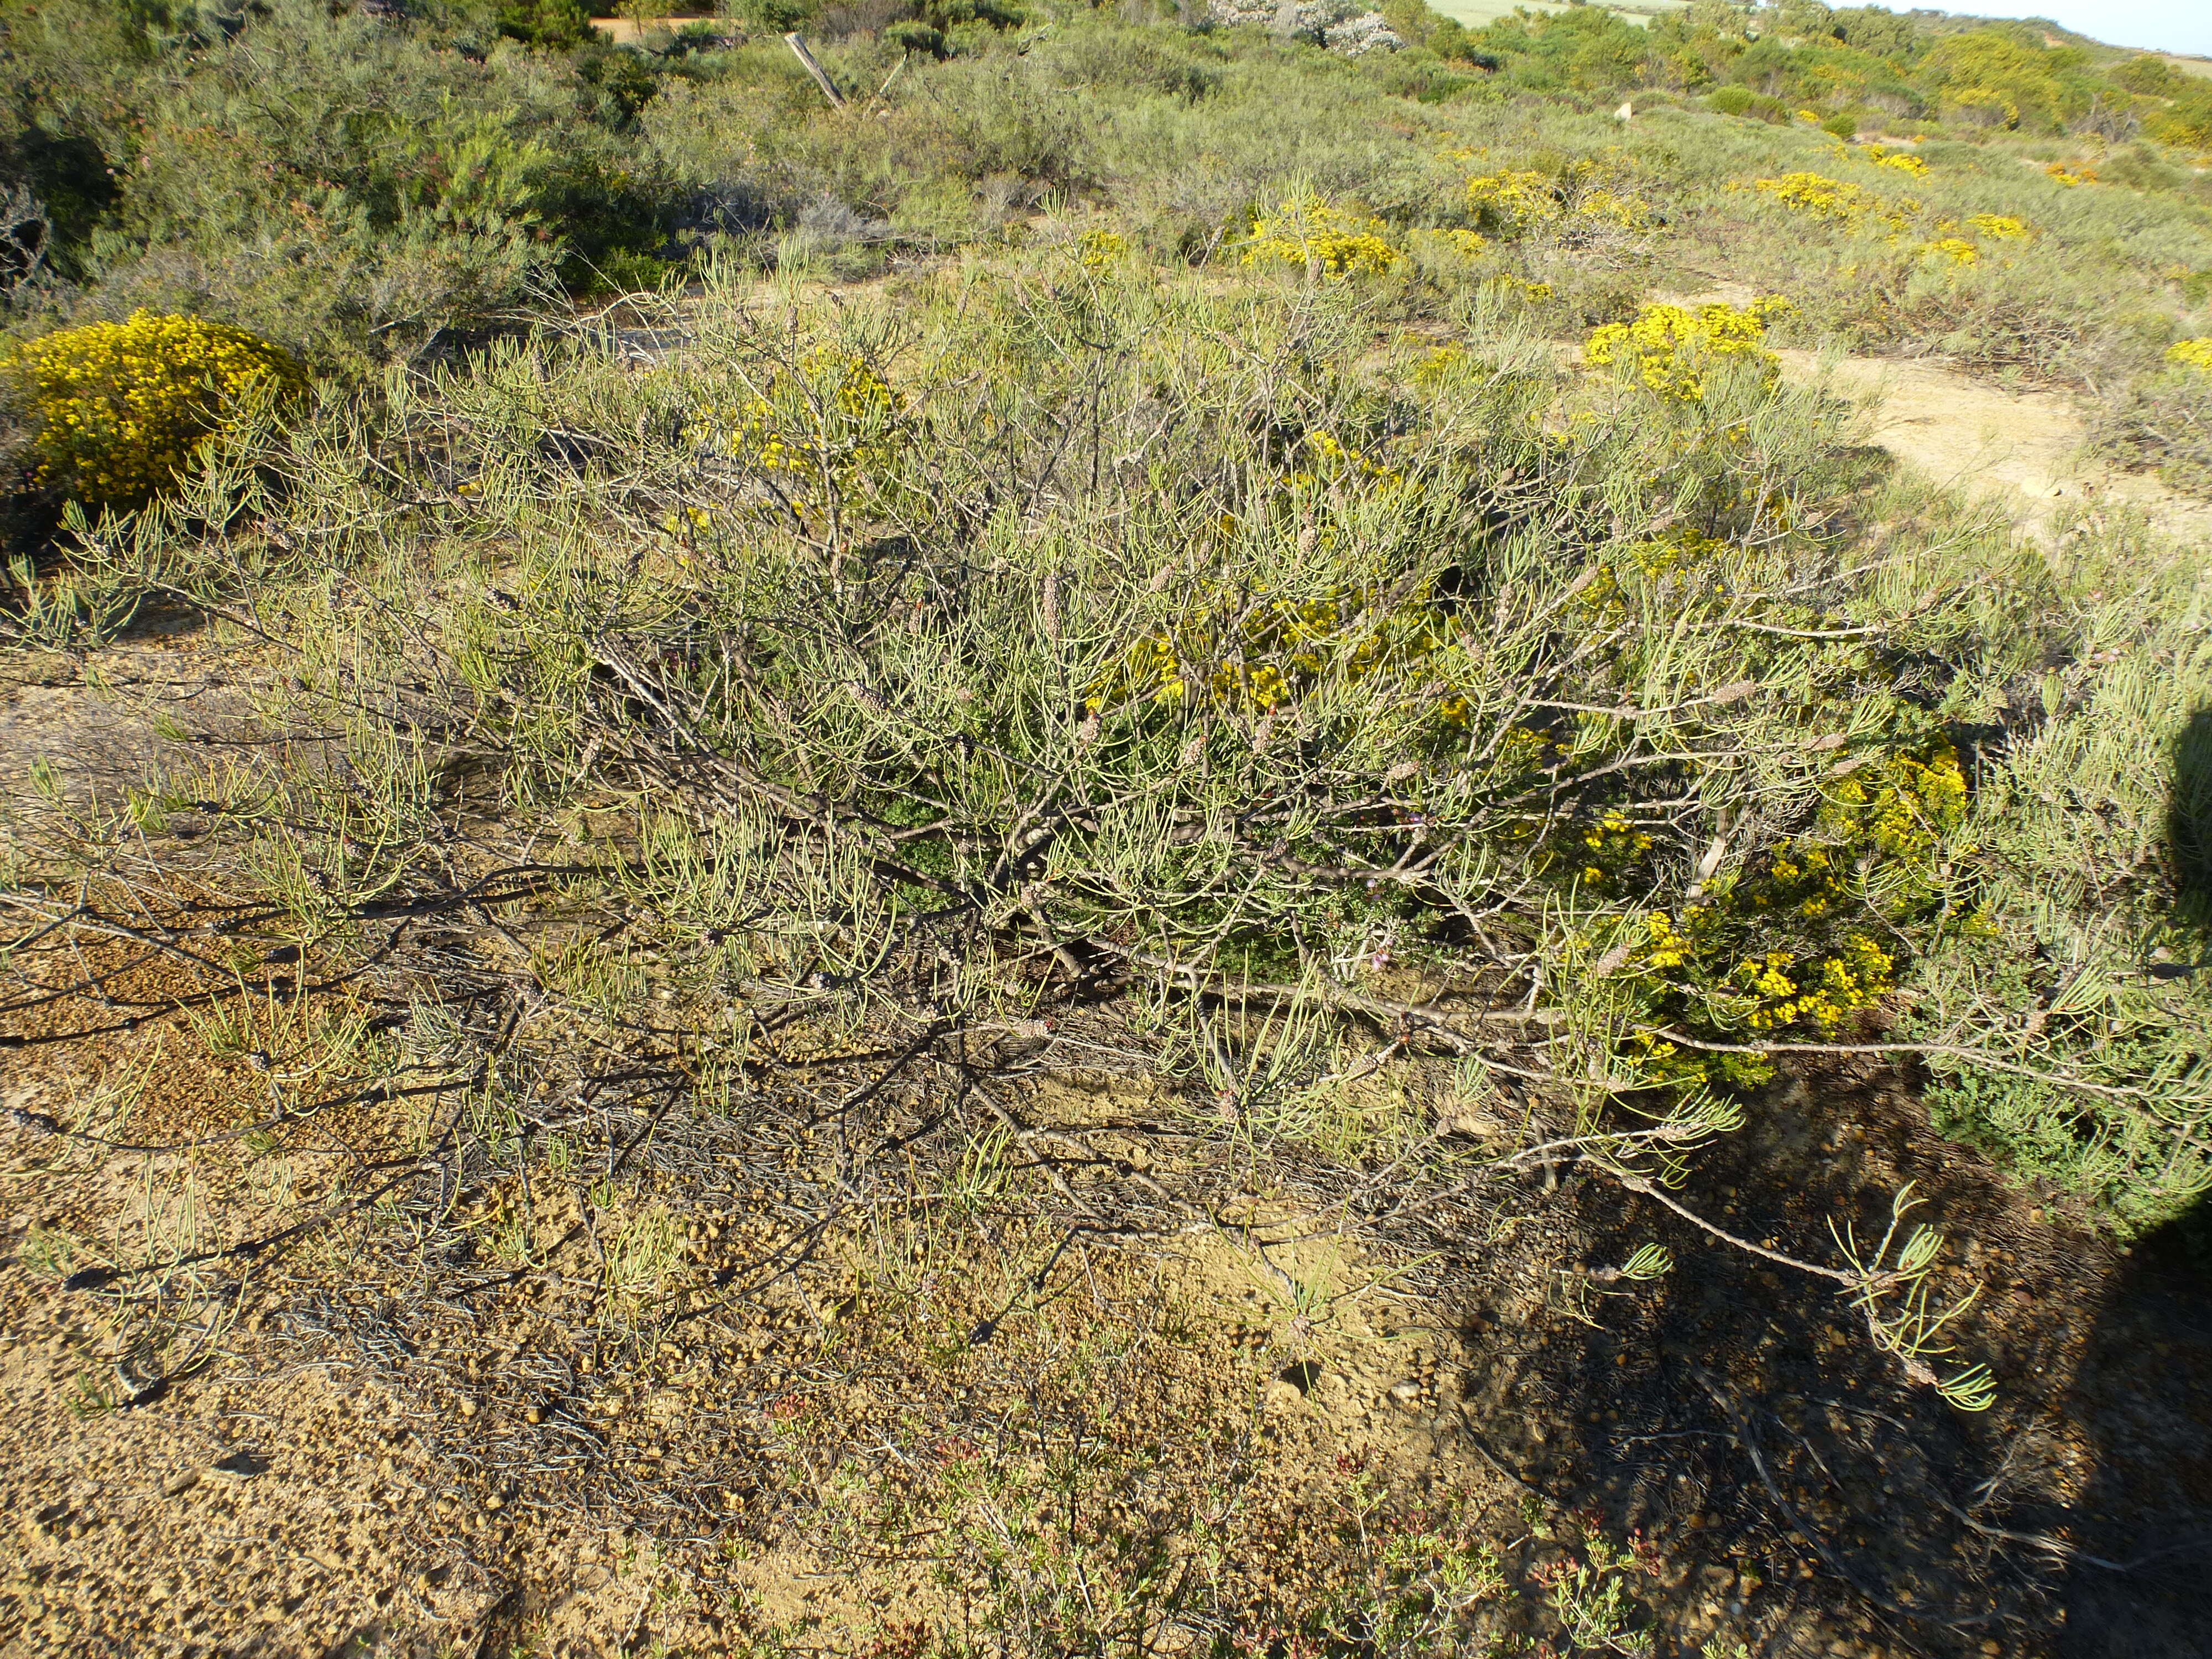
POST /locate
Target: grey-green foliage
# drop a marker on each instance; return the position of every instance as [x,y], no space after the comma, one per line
[356,188]
[2088,853]
[1067,621]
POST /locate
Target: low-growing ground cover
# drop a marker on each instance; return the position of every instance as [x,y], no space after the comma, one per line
[1222,905]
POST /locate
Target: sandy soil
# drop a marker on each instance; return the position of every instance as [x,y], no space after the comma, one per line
[628,31]
[2022,448]
[2025,448]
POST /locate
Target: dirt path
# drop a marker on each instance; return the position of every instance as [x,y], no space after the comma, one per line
[2027,449]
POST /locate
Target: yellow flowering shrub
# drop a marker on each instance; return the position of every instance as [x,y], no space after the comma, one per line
[1601,851]
[1310,234]
[1999,227]
[1437,366]
[1673,347]
[1256,654]
[1905,808]
[122,408]
[1519,286]
[2078,173]
[2191,354]
[1605,601]
[1857,974]
[829,425]
[1835,200]
[1515,203]
[1609,207]
[1957,250]
[1098,249]
[1896,161]
[1786,944]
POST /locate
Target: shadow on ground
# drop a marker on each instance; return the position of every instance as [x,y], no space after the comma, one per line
[1816,1501]
[2141,1586]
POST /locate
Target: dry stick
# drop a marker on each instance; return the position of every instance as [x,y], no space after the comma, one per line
[2056,1546]
[1636,1183]
[1199,979]
[1869,1286]
[797,45]
[892,77]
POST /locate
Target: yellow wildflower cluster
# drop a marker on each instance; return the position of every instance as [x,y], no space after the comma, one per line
[1606,602]
[1603,206]
[1309,234]
[1435,367]
[1516,203]
[859,391]
[1608,845]
[1513,201]
[1956,249]
[845,402]
[1897,161]
[1824,993]
[1098,249]
[1834,199]
[1960,250]
[1329,458]
[1521,286]
[2191,354]
[2069,174]
[1762,952]
[687,522]
[1903,809]
[1774,989]
[123,408]
[1672,346]
[1262,653]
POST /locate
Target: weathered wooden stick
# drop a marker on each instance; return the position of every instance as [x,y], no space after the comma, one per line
[797,45]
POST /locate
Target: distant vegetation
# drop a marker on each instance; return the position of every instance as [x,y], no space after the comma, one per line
[376,184]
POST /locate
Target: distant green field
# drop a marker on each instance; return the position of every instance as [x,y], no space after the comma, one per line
[1476,13]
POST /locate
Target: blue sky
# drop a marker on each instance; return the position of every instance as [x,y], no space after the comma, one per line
[2159,25]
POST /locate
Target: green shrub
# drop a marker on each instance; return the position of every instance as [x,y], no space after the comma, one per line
[774,17]
[2188,122]
[2151,75]
[556,23]
[626,80]
[912,35]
